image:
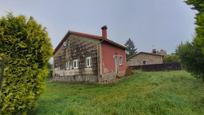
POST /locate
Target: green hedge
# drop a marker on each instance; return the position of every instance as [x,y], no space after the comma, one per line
[27,48]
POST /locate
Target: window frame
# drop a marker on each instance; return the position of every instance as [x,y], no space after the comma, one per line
[77,63]
[120,60]
[144,62]
[89,60]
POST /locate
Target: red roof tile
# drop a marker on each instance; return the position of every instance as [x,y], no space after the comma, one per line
[145,53]
[88,36]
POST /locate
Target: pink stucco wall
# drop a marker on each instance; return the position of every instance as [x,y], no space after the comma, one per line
[108,64]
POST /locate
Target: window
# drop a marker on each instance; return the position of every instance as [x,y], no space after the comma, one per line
[88,61]
[76,64]
[144,62]
[121,60]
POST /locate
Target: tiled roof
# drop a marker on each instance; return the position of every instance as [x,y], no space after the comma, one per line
[145,53]
[96,37]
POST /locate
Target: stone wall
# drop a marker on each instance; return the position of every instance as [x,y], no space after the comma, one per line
[76,48]
[111,77]
[79,48]
[148,58]
[76,78]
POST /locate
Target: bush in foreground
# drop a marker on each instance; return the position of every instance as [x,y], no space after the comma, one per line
[27,48]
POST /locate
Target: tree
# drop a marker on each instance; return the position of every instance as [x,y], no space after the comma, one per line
[192,54]
[171,58]
[2,61]
[130,48]
[191,58]
[26,46]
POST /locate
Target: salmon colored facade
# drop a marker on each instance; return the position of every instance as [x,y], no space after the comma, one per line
[113,60]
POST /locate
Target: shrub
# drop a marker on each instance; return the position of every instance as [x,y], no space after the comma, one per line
[171,58]
[192,54]
[129,71]
[27,48]
[191,58]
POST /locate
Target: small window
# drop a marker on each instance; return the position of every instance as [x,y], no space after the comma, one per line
[76,64]
[120,60]
[144,62]
[88,61]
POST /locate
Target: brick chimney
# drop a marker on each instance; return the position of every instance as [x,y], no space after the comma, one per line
[104,31]
[154,51]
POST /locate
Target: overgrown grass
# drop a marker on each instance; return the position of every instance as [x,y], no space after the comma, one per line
[144,93]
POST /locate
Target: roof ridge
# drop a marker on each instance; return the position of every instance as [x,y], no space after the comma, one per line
[75,32]
[97,37]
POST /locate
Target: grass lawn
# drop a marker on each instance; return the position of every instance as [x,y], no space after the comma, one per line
[144,93]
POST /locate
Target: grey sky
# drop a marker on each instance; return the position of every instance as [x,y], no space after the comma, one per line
[150,23]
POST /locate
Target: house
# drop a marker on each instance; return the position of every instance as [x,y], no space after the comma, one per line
[145,58]
[81,57]
[161,51]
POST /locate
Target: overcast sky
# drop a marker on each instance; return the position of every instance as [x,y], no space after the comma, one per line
[160,24]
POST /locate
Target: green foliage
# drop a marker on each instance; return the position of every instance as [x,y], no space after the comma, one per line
[130,48]
[27,48]
[2,61]
[144,93]
[192,54]
[197,4]
[191,58]
[171,58]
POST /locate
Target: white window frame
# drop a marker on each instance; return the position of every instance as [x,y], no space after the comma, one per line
[119,57]
[88,59]
[77,64]
[120,60]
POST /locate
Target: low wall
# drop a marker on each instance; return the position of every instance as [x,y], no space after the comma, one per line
[77,78]
[74,76]
[87,76]
[158,67]
[111,77]
[107,78]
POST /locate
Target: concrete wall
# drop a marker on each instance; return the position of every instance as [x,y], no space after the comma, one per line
[148,58]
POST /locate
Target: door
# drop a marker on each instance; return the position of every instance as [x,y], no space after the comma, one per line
[116,61]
